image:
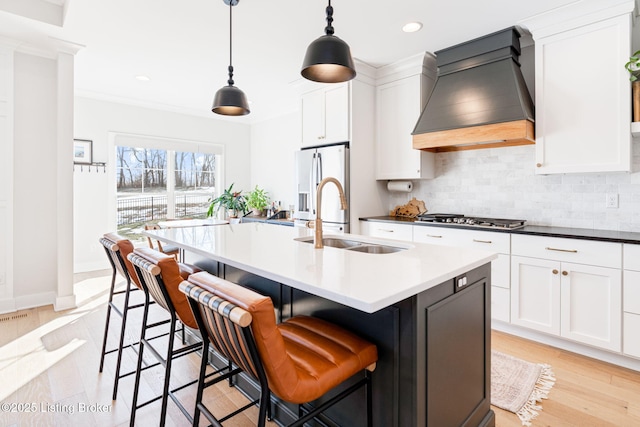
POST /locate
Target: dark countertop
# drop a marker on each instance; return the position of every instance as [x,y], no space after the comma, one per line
[271,220]
[537,230]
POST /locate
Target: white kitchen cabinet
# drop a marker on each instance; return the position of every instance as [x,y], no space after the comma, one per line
[580,300]
[387,230]
[631,307]
[325,115]
[500,304]
[535,294]
[485,240]
[583,94]
[398,107]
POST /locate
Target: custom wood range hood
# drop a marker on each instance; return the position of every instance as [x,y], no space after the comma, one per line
[480,99]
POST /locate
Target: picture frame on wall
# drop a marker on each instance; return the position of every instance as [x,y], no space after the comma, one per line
[82,151]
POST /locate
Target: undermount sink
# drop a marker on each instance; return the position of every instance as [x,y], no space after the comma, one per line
[376,249]
[354,245]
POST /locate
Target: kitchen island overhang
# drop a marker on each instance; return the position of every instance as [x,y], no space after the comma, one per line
[433,339]
[364,281]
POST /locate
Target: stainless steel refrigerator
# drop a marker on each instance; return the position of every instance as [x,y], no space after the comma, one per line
[313,164]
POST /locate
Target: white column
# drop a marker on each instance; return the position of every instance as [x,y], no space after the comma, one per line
[65,297]
[7,302]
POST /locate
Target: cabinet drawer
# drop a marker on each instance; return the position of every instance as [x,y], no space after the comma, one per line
[631,257]
[391,231]
[485,240]
[603,254]
[631,293]
[631,344]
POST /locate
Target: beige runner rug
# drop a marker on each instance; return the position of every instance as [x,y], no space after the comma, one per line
[517,386]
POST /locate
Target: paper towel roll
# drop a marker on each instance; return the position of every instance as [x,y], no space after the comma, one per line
[403,186]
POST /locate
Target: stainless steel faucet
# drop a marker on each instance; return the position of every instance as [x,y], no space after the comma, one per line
[317,237]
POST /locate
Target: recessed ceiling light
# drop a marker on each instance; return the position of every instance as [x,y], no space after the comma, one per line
[143,78]
[412,27]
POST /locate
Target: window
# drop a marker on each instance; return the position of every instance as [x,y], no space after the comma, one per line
[156,180]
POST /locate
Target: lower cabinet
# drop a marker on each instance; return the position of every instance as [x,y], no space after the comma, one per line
[631,306]
[485,240]
[576,301]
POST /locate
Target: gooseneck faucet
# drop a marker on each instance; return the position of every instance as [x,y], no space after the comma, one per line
[317,237]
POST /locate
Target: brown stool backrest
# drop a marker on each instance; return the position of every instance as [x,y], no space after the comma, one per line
[278,366]
[226,326]
[160,271]
[118,249]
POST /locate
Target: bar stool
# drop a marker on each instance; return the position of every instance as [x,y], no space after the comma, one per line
[298,360]
[157,244]
[117,248]
[160,275]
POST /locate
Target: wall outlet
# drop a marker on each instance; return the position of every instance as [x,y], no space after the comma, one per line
[612,200]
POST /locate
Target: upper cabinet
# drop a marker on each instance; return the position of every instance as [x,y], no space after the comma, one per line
[583,107]
[401,93]
[325,115]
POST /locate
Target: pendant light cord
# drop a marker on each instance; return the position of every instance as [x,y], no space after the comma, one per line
[329,28]
[230,81]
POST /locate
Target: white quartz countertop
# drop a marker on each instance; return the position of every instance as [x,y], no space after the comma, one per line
[368,282]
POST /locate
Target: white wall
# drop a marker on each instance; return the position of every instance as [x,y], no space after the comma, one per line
[95,120]
[273,144]
[501,182]
[35,153]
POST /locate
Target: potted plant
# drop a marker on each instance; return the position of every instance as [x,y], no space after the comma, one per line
[233,201]
[633,67]
[258,200]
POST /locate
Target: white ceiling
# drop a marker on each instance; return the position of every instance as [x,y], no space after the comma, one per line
[183,45]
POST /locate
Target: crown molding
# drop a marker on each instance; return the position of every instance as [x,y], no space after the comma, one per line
[574,15]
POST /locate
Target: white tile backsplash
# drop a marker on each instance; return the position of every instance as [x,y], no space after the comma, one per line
[501,183]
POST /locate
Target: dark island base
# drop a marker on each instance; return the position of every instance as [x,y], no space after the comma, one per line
[434,352]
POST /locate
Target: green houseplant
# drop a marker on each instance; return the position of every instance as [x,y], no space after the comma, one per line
[633,67]
[233,201]
[258,200]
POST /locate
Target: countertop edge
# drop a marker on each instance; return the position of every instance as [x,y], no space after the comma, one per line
[536,230]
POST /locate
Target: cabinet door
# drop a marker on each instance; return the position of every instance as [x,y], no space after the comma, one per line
[458,371]
[631,334]
[313,118]
[591,305]
[583,112]
[500,303]
[398,109]
[336,113]
[535,294]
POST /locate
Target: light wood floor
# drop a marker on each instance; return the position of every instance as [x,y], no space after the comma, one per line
[49,363]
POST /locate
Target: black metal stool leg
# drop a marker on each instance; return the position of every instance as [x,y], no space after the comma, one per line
[106,325]
[368,392]
[167,371]
[123,326]
[136,387]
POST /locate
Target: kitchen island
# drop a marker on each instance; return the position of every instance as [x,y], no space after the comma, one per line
[426,307]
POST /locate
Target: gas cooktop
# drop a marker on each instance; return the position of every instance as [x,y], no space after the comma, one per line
[473,221]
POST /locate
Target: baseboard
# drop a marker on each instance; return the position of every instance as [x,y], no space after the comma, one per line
[65,303]
[35,300]
[7,305]
[561,343]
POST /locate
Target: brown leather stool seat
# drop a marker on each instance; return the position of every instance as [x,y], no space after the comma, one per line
[323,355]
[299,360]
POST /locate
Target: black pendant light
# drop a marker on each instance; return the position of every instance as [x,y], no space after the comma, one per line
[328,58]
[229,100]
